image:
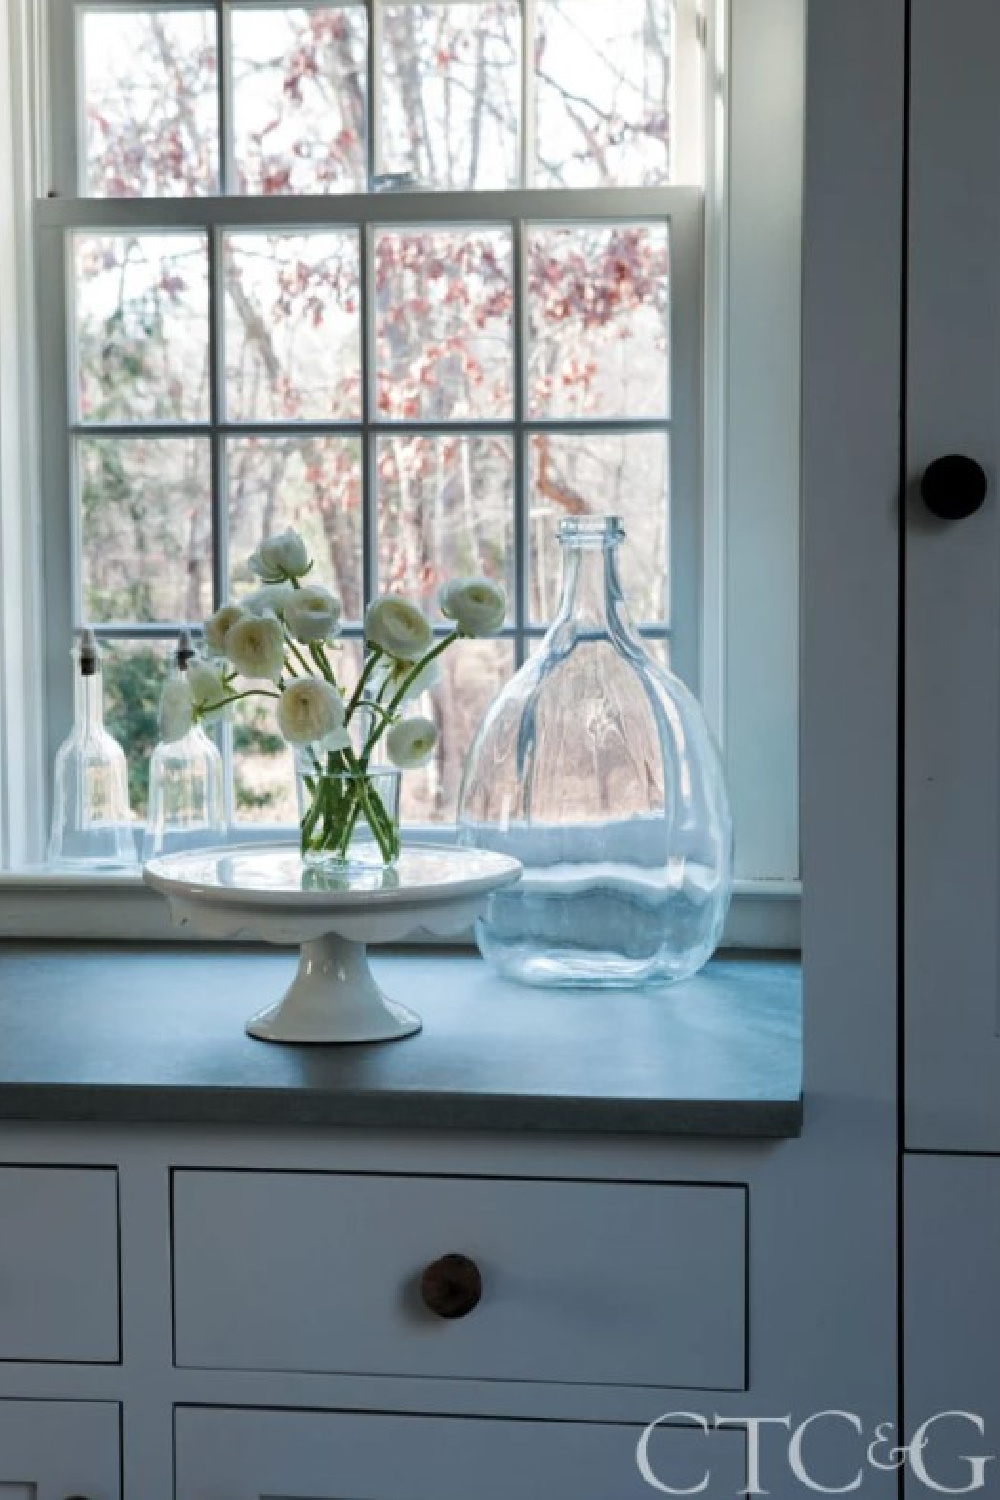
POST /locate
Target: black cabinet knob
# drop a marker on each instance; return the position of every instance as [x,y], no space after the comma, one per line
[954,487]
[452,1286]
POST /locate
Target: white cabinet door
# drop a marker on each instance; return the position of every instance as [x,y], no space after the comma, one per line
[950,1346]
[291,1455]
[53,1450]
[952,638]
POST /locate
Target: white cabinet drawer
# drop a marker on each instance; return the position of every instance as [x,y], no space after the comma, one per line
[59,1264]
[245,1455]
[595,1282]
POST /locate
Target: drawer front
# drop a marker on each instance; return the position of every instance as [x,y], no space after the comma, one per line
[246,1455]
[592,1282]
[59,1264]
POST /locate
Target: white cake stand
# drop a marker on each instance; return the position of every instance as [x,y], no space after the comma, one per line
[266,893]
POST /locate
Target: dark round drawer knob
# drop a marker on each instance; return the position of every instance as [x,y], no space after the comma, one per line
[451,1286]
[954,487]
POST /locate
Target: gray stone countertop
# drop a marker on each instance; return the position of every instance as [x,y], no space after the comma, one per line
[154,1033]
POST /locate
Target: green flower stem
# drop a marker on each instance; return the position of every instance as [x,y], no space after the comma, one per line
[236,698]
[418,667]
[319,657]
[338,772]
[404,687]
[349,823]
[336,805]
[364,800]
[312,813]
[296,652]
[372,706]
[375,654]
[338,797]
[385,830]
[367,801]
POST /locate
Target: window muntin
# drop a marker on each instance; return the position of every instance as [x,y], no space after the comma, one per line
[302,353]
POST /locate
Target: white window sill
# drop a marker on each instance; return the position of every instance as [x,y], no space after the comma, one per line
[40,903]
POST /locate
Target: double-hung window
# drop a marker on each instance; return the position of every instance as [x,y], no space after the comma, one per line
[418,278]
[414,278]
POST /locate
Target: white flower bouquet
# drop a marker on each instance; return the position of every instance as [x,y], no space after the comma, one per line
[282,637]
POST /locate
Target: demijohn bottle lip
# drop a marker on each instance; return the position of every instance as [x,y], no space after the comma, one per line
[591,531]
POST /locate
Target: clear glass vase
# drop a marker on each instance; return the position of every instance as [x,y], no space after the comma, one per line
[347,818]
[595,767]
[92,825]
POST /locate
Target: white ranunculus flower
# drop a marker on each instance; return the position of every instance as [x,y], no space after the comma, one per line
[310,709]
[176,709]
[340,739]
[207,689]
[270,598]
[395,674]
[410,743]
[477,605]
[256,646]
[280,557]
[218,626]
[398,626]
[312,613]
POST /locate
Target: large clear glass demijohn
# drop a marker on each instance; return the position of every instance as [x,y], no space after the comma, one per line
[91,820]
[596,768]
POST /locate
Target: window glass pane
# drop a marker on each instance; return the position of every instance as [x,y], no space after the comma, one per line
[300,99]
[603,93]
[150,99]
[134,672]
[443,301]
[598,320]
[445,509]
[141,328]
[311,483]
[146,528]
[450,93]
[263,766]
[292,327]
[472,673]
[622,474]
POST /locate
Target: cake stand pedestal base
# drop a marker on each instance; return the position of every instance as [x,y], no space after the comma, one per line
[333,998]
[264,893]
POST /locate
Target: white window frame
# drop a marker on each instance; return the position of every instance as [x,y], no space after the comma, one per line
[680,208]
[748,537]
